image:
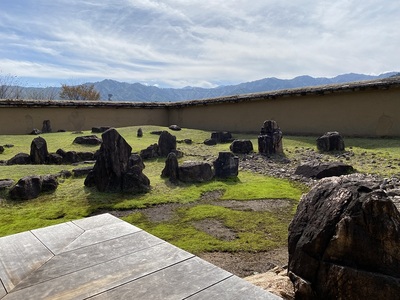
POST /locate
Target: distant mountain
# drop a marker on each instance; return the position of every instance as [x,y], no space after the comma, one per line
[122,91]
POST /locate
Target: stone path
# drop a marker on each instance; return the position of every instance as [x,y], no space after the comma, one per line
[103,257]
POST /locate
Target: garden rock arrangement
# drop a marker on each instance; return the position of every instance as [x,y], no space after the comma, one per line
[330,141]
[344,240]
[225,166]
[114,171]
[270,139]
[317,170]
[30,187]
[40,155]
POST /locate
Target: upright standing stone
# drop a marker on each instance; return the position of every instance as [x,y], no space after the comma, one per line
[39,152]
[171,167]
[114,171]
[270,139]
[166,143]
[139,132]
[330,141]
[226,165]
[46,126]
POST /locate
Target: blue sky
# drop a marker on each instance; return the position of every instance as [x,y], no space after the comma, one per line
[176,43]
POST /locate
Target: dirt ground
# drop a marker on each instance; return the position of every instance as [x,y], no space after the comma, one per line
[241,264]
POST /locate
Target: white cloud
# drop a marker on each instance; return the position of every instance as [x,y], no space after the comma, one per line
[197,43]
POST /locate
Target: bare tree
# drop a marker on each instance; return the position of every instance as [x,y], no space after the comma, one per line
[48,93]
[9,87]
[79,92]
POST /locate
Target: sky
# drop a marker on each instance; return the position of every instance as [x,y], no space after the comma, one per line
[178,43]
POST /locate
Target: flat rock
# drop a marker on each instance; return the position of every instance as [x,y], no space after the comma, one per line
[315,169]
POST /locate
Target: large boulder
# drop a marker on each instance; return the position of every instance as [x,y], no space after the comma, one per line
[30,187]
[1,149]
[39,152]
[344,240]
[241,146]
[222,136]
[100,129]
[113,171]
[87,140]
[226,165]
[166,143]
[20,159]
[318,170]
[193,171]
[330,141]
[150,152]
[270,139]
[171,168]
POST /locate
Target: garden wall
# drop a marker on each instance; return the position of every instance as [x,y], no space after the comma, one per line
[370,108]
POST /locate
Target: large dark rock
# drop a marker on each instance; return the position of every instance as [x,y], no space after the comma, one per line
[210,142]
[30,187]
[20,159]
[84,171]
[26,188]
[87,140]
[318,170]
[46,128]
[226,165]
[171,168]
[330,141]
[222,136]
[1,149]
[134,181]
[49,183]
[35,131]
[241,146]
[150,152]
[100,129]
[113,170]
[191,171]
[270,139]
[166,143]
[344,241]
[54,159]
[136,160]
[175,127]
[39,152]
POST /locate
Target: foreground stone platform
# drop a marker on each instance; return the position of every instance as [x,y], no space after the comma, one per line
[103,257]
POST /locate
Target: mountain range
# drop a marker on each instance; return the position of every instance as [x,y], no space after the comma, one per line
[121,91]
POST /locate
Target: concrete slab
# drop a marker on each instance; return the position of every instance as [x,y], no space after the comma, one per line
[233,288]
[51,236]
[86,257]
[103,257]
[20,255]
